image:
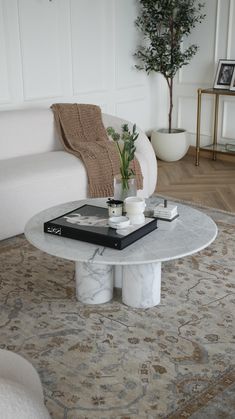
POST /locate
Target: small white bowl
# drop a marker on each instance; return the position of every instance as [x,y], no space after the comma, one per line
[119,222]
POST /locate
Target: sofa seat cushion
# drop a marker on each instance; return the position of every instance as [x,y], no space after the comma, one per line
[32,183]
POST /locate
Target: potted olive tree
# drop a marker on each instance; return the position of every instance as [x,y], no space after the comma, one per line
[164,25]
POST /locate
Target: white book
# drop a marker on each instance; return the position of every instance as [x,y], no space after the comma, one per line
[165,212]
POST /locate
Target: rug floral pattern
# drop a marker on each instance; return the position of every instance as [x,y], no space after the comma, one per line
[108,361]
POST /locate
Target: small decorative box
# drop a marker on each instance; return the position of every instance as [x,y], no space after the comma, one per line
[165,211]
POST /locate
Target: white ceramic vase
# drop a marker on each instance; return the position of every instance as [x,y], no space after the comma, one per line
[170,146]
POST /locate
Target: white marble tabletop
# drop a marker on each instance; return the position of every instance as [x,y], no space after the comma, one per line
[191,232]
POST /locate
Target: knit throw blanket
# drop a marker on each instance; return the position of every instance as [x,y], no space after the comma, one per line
[83,134]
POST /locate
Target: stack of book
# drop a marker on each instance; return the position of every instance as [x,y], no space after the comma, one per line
[90,223]
[165,212]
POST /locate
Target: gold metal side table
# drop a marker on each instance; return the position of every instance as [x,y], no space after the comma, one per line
[217,93]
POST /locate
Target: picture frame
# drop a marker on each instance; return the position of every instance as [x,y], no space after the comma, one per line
[232,85]
[224,74]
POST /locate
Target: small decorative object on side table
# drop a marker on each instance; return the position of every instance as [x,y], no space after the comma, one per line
[125,183]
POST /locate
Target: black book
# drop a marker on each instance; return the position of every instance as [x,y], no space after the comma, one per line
[89,223]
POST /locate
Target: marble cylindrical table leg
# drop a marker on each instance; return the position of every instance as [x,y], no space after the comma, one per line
[94,282]
[141,285]
[118,276]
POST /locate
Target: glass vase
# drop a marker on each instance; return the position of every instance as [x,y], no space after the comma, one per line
[124,187]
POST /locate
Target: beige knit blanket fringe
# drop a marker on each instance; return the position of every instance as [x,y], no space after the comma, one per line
[83,134]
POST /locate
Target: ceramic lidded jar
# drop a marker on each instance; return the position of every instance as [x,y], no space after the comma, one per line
[115,207]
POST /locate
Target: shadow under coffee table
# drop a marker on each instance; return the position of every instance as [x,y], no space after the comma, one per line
[137,268]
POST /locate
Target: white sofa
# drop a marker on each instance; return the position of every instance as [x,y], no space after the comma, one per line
[21,392]
[36,173]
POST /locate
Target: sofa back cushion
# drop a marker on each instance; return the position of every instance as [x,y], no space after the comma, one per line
[27,131]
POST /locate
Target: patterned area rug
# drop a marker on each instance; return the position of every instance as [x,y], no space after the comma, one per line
[109,361]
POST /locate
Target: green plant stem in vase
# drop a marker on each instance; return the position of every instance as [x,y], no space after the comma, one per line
[125,143]
[124,188]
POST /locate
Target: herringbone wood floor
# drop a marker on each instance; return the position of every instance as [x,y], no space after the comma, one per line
[211,184]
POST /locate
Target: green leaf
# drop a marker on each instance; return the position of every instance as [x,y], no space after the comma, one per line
[127,151]
[164,25]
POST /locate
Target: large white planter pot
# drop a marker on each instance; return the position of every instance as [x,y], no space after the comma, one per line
[170,147]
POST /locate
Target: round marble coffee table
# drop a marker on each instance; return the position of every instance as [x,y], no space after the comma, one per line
[137,268]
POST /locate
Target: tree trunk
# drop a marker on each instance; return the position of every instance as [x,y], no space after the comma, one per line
[171,104]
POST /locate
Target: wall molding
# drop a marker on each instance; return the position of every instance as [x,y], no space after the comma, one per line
[93,75]
[4,65]
[229,33]
[41,74]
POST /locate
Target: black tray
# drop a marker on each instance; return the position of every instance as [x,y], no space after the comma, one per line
[89,223]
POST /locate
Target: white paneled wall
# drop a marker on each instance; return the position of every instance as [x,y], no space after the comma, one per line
[90,45]
[4,62]
[82,51]
[40,49]
[75,51]
[215,37]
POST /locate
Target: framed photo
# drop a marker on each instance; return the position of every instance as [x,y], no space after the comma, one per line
[232,85]
[224,74]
